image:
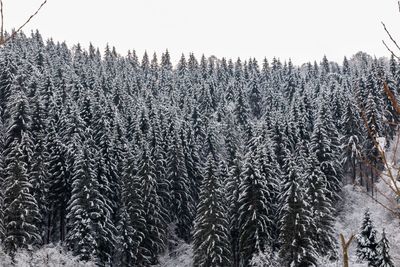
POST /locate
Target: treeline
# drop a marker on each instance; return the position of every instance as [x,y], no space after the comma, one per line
[118,158]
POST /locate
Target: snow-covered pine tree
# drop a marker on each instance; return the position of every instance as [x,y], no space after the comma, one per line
[321,206]
[89,224]
[7,76]
[39,167]
[134,203]
[154,240]
[211,246]
[383,258]
[325,145]
[59,184]
[254,223]
[367,241]
[297,246]
[352,138]
[127,244]
[234,162]
[182,206]
[255,98]
[21,213]
[2,166]
[372,122]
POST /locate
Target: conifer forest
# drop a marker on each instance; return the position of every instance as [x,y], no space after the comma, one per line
[120,159]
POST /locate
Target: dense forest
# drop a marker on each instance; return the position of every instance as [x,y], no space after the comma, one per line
[118,158]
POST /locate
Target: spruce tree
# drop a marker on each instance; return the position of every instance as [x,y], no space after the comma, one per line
[182,206]
[134,203]
[383,259]
[127,242]
[211,245]
[89,223]
[324,144]
[2,166]
[321,206]
[297,246]
[154,240]
[254,223]
[21,212]
[367,241]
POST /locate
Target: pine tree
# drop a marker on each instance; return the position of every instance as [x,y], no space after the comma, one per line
[155,233]
[254,223]
[39,167]
[352,139]
[127,242]
[2,166]
[89,223]
[383,258]
[296,223]
[59,184]
[134,203]
[21,213]
[321,206]
[182,206]
[7,76]
[234,162]
[366,240]
[325,145]
[211,245]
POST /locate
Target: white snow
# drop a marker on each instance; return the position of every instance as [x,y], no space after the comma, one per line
[354,203]
[181,257]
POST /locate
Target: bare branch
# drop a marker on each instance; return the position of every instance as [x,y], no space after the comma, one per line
[391,96]
[391,52]
[390,36]
[23,25]
[395,213]
[396,148]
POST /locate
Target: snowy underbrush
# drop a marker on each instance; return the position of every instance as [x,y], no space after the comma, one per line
[47,256]
[354,203]
[181,256]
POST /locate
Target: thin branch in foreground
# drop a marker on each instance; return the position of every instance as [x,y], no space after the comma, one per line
[391,52]
[395,213]
[23,25]
[390,36]
[391,97]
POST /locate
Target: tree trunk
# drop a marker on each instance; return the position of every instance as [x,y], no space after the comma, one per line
[345,247]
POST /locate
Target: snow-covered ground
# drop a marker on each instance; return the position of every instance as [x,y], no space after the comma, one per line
[355,202]
[181,257]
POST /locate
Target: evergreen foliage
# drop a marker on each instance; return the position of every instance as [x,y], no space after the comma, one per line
[367,241]
[106,154]
[384,259]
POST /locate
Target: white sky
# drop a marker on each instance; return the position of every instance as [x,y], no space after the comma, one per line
[303,30]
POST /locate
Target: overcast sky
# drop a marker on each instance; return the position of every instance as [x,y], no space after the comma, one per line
[303,30]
